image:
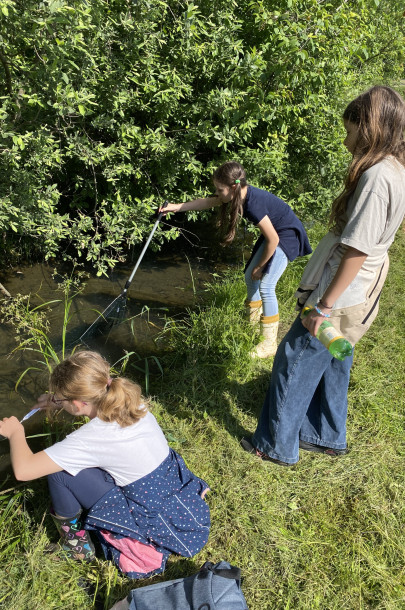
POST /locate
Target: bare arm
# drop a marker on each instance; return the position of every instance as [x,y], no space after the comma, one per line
[271,242]
[195,204]
[26,464]
[350,265]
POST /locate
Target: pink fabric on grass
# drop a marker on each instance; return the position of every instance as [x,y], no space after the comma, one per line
[135,556]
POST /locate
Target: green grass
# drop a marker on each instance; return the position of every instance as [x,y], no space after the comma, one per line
[326,534]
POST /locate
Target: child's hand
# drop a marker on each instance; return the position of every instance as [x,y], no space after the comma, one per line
[10,425]
[45,402]
[257,273]
[312,322]
[171,207]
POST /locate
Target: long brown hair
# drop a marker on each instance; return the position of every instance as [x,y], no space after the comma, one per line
[227,174]
[379,114]
[86,376]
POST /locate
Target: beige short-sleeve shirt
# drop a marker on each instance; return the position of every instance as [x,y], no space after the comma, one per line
[375,212]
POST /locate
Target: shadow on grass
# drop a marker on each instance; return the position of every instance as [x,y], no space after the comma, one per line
[198,393]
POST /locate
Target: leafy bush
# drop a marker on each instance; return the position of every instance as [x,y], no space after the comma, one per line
[109,107]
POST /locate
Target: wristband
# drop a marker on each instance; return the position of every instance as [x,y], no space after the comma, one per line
[321,313]
[326,307]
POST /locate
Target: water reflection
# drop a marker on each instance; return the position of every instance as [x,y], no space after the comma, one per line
[164,285]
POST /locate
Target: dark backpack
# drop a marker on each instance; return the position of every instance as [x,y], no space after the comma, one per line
[214,587]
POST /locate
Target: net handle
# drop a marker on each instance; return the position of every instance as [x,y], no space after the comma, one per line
[138,262]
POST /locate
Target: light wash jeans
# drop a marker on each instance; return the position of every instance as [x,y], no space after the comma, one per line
[306,399]
[265,288]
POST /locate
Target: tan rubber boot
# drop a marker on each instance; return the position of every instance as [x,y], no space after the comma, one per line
[268,330]
[253,311]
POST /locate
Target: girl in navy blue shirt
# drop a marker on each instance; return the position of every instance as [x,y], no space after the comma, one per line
[282,239]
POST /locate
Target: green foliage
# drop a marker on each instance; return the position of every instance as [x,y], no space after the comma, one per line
[214,335]
[14,523]
[109,107]
[32,328]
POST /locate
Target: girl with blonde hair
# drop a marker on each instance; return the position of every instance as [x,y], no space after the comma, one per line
[142,500]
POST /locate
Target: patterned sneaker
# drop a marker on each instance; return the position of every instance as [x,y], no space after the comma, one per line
[246,444]
[319,449]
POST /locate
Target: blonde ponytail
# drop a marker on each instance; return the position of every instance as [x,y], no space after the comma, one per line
[86,376]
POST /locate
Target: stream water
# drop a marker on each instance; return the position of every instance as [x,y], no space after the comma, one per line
[165,285]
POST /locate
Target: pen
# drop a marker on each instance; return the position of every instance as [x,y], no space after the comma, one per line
[27,416]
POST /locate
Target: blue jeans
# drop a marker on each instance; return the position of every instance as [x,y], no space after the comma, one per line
[306,399]
[72,493]
[265,288]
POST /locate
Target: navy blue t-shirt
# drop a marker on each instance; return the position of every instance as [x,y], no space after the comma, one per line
[293,238]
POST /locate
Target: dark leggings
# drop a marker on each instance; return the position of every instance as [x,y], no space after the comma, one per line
[72,493]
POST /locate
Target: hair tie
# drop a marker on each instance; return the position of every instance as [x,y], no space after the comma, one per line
[237,181]
[109,383]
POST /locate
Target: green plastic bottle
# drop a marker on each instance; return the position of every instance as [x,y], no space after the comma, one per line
[327,334]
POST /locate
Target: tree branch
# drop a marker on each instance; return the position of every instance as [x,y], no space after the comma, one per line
[8,74]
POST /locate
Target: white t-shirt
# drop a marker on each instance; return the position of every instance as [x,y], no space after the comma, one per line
[127,454]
